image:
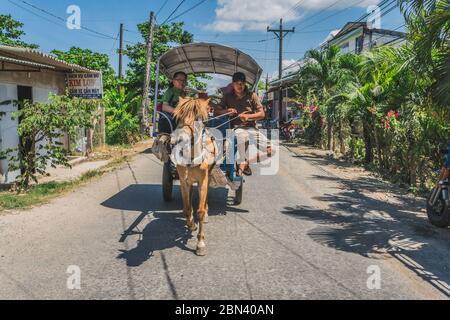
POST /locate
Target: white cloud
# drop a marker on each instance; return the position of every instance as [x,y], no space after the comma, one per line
[293,65]
[255,15]
[218,81]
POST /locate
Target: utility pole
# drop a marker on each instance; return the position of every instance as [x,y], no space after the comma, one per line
[146,87]
[267,97]
[120,51]
[120,55]
[280,33]
[267,82]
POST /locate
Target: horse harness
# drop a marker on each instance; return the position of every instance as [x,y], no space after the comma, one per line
[192,143]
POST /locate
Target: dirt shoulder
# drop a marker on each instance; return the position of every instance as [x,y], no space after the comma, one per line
[62,180]
[369,183]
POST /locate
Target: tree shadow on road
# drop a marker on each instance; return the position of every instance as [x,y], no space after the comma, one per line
[167,226]
[358,223]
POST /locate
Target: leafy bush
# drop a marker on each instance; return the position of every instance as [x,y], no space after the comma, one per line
[122,123]
[41,127]
[121,127]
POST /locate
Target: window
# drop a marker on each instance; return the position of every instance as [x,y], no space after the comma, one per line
[345,47]
[359,44]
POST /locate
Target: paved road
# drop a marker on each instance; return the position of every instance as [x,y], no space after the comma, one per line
[302,234]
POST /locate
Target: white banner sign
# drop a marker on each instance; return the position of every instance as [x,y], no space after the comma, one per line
[85,85]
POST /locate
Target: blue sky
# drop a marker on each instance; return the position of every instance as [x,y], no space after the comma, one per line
[237,23]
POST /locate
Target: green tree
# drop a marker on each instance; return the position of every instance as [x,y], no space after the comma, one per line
[429,32]
[320,74]
[91,60]
[11,32]
[165,37]
[122,124]
[41,128]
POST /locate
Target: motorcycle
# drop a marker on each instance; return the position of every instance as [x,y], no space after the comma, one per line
[438,201]
[289,130]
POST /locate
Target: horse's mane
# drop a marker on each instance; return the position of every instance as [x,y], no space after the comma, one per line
[189,110]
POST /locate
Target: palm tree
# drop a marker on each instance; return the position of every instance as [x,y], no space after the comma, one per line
[347,70]
[429,31]
[320,73]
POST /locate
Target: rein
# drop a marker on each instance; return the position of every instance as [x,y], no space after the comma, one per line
[193,142]
[230,120]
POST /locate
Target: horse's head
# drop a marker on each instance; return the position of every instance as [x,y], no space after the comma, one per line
[190,110]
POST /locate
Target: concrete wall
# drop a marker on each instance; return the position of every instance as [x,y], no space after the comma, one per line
[42,83]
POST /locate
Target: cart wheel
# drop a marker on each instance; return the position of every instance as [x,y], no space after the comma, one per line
[167,182]
[238,195]
[439,215]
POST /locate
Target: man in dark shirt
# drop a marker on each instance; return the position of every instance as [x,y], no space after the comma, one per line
[245,109]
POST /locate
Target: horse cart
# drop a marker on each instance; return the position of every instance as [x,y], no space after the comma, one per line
[205,58]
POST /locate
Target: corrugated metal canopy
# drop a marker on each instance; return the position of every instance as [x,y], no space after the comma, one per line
[203,57]
[40,59]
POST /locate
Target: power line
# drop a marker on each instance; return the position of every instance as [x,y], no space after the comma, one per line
[187,10]
[384,7]
[103,35]
[382,36]
[320,12]
[364,46]
[162,7]
[293,8]
[364,16]
[64,20]
[238,41]
[335,14]
[271,51]
[37,15]
[114,44]
[173,12]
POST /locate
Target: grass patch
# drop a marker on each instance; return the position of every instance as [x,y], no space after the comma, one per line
[38,194]
[42,193]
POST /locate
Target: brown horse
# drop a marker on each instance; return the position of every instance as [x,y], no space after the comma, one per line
[189,114]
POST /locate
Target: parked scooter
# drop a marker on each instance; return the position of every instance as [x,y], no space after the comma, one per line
[289,130]
[438,200]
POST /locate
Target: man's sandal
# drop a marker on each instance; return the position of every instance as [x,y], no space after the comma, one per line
[243,168]
[247,171]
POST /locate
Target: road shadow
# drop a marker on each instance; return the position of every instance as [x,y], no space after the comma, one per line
[147,151]
[167,226]
[358,223]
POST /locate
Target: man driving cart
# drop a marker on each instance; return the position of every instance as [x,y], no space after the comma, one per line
[245,108]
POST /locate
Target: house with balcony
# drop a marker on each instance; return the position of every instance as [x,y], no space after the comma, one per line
[356,37]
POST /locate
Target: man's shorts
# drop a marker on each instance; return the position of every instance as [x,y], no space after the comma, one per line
[255,139]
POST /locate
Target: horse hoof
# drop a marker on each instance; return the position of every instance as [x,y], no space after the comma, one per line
[192,227]
[200,251]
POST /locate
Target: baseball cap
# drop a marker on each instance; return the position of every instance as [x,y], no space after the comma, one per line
[238,76]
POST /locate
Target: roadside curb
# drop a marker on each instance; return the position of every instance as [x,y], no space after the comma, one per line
[79,160]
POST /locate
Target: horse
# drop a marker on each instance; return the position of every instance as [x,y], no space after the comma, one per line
[190,115]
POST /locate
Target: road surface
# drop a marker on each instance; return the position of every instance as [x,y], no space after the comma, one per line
[301,234]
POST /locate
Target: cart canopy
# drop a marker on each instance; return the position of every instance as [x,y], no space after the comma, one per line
[194,58]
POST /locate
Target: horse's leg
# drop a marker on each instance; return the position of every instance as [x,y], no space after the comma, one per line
[206,220]
[186,193]
[202,212]
[191,224]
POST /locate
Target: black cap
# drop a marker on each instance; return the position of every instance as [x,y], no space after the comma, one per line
[238,76]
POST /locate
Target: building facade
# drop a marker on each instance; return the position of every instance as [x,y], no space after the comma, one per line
[27,74]
[354,37]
